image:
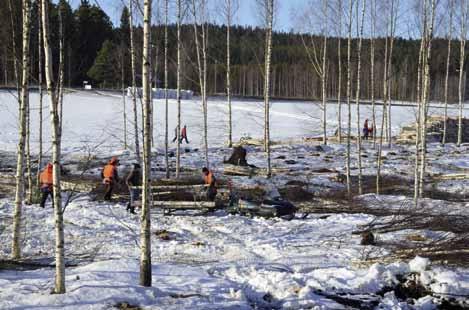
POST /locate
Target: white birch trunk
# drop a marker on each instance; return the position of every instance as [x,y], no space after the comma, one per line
[24,102]
[425,95]
[178,91]
[270,17]
[448,59]
[383,119]
[201,52]
[339,86]
[145,232]
[462,55]
[56,140]
[228,73]
[357,101]
[166,106]
[40,50]
[349,98]
[134,80]
[372,69]
[324,77]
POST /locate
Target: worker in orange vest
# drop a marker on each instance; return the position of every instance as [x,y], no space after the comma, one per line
[46,180]
[110,177]
[210,183]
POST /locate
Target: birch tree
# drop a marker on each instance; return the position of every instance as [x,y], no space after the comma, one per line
[145,232]
[40,134]
[269,18]
[56,142]
[357,99]
[166,98]
[372,67]
[384,116]
[448,59]
[318,55]
[339,64]
[349,99]
[425,93]
[178,90]
[134,79]
[229,10]
[462,55]
[419,111]
[201,52]
[324,75]
[24,102]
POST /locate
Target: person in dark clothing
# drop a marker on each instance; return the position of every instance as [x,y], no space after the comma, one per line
[110,177]
[210,183]
[184,135]
[175,134]
[134,179]
[366,130]
[46,179]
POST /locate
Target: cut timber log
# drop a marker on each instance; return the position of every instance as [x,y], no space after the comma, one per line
[452,176]
[184,205]
[78,186]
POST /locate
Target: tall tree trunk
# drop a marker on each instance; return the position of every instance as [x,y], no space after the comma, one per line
[60,93]
[166,106]
[123,95]
[201,51]
[178,91]
[134,80]
[372,69]
[462,55]
[425,94]
[448,59]
[339,86]
[419,115]
[324,76]
[389,79]
[384,117]
[228,74]
[16,66]
[349,99]
[40,50]
[357,100]
[145,233]
[268,54]
[24,103]
[56,141]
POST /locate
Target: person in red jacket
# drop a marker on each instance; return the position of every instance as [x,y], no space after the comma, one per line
[183,135]
[110,177]
[46,180]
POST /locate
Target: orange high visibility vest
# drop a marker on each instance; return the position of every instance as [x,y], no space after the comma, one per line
[208,179]
[109,171]
[46,177]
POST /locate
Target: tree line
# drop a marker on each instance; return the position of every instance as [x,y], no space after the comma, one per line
[96,51]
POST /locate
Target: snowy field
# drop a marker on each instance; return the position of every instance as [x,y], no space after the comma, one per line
[96,120]
[223,261]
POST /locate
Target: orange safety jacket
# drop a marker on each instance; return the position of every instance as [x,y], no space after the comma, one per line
[46,177]
[109,173]
[209,179]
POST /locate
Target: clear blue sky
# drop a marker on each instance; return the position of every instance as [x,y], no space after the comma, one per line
[246,14]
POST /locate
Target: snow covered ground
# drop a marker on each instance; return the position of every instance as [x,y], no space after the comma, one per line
[209,262]
[96,120]
[222,261]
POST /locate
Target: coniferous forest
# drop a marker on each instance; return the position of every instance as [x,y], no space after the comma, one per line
[96,50]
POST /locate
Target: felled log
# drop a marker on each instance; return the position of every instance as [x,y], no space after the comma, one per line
[451,176]
[184,205]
